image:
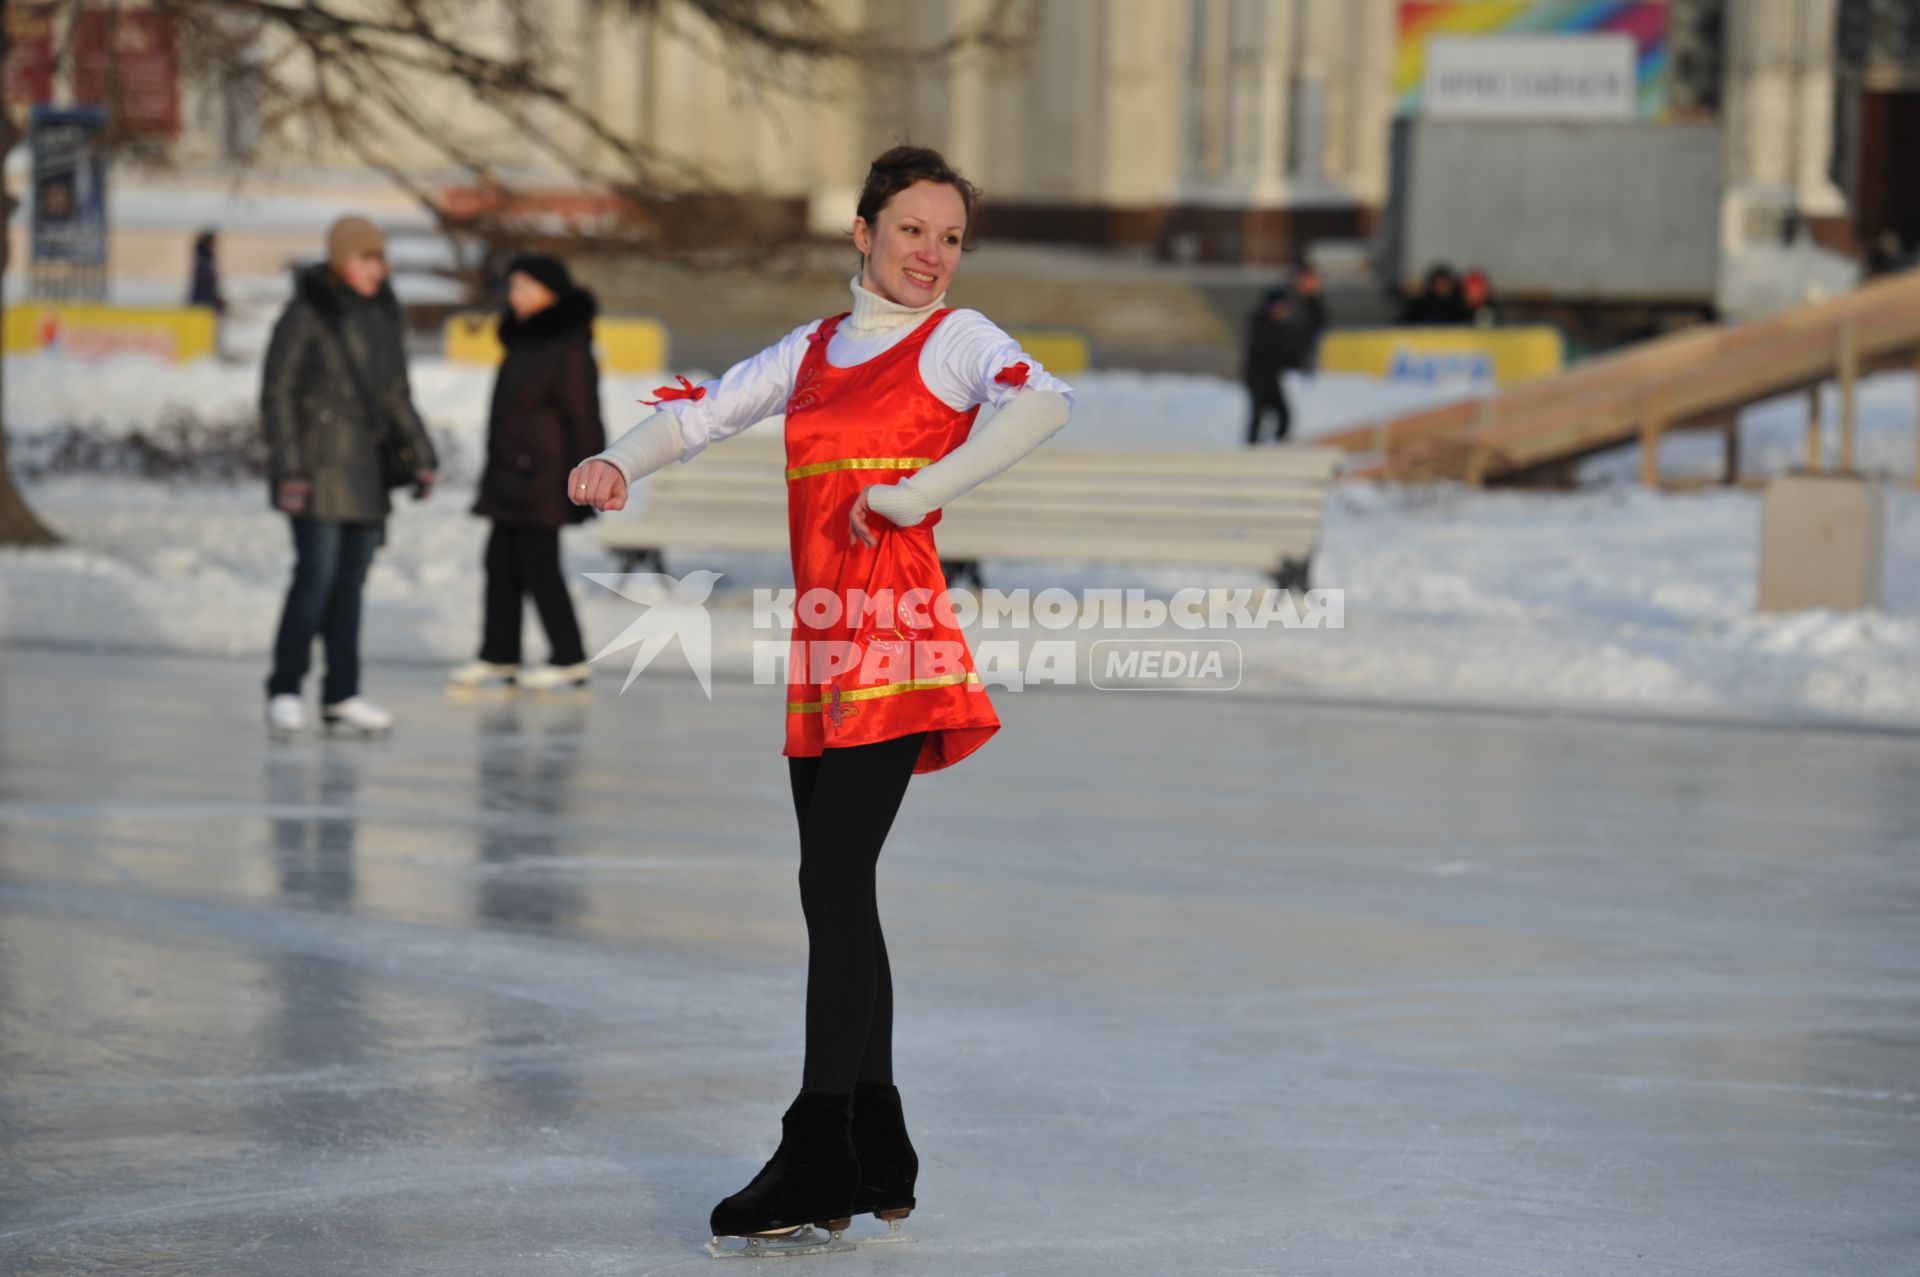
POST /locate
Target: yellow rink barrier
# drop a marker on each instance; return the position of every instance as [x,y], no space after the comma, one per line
[1446,356]
[86,331]
[626,343]
[1063,351]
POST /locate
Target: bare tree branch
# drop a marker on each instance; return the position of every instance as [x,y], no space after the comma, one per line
[345,72]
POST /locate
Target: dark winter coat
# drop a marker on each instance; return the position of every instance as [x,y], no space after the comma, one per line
[320,425]
[205,290]
[545,417]
[1313,318]
[1274,347]
[1432,308]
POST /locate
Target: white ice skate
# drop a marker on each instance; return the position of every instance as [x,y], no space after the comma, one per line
[357,714]
[786,1244]
[554,678]
[286,717]
[475,675]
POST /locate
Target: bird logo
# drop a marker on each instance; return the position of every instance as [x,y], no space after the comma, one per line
[676,608]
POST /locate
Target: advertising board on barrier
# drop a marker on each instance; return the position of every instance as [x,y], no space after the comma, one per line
[176,334]
[1451,357]
[623,343]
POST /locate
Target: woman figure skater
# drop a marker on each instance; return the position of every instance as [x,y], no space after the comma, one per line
[880,404]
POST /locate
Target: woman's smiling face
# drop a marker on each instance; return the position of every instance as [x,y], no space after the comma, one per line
[914,249]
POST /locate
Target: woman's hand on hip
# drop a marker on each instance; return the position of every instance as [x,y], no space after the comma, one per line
[598,484]
[866,522]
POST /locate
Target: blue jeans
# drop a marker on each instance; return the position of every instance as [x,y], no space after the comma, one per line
[329,568]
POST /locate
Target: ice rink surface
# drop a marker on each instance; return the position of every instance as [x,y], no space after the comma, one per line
[1188,983]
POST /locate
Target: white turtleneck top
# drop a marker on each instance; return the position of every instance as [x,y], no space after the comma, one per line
[959,365]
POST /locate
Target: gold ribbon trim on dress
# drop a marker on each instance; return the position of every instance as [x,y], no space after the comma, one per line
[886,689]
[858,463]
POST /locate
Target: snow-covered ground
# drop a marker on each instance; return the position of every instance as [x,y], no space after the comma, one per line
[1609,596]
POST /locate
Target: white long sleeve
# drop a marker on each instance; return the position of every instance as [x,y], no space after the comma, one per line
[1032,418]
[645,448]
[693,418]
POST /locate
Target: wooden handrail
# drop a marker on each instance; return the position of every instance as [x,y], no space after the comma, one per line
[1575,414]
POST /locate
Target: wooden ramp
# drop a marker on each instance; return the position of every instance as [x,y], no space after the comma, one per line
[1697,379]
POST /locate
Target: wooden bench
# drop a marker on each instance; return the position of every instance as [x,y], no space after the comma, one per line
[1256,509]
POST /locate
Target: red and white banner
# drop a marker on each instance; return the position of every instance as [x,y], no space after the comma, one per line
[29,68]
[128,60]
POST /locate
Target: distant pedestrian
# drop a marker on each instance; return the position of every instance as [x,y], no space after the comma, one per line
[1310,292]
[340,429]
[1439,301]
[1476,296]
[545,420]
[1278,342]
[205,287]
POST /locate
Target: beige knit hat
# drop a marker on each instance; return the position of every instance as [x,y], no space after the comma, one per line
[352,236]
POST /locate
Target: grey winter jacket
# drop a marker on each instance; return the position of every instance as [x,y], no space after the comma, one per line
[318,423]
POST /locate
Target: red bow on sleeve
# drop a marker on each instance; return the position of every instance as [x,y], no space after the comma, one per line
[685,390]
[1012,375]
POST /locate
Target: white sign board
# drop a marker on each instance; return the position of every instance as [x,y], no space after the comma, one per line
[1530,77]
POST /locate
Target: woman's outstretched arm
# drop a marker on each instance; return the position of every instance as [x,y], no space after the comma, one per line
[689,417]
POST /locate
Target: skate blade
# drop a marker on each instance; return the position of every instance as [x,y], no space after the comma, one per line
[564,692]
[482,692]
[363,733]
[895,1234]
[787,1244]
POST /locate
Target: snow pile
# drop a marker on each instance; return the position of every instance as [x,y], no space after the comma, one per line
[1609,596]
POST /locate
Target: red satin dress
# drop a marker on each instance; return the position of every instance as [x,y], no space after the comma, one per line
[881,663]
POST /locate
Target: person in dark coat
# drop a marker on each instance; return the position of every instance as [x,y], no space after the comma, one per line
[1439,302]
[340,428]
[544,421]
[1277,341]
[205,288]
[1311,290]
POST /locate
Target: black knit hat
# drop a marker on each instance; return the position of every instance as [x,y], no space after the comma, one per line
[550,272]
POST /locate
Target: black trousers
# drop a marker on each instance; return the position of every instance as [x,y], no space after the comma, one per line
[522,561]
[1269,399]
[845,801]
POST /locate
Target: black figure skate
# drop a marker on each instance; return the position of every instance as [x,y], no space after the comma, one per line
[809,1184]
[888,1164]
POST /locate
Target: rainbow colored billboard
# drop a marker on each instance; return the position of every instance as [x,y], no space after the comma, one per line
[1643,22]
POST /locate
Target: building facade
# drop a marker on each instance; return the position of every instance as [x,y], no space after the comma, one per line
[1217,130]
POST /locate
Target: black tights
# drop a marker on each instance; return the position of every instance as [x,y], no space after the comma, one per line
[845,801]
